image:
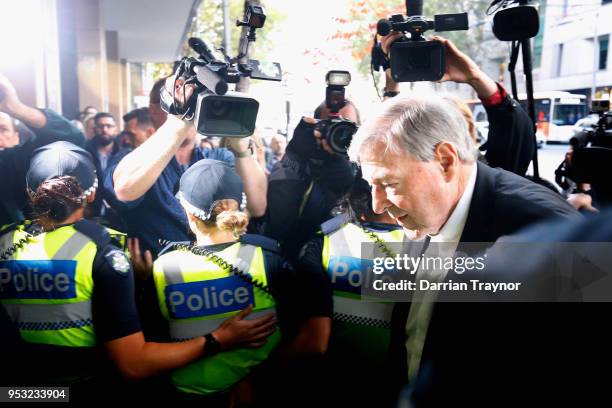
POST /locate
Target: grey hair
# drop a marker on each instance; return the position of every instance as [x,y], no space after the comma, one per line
[415,124]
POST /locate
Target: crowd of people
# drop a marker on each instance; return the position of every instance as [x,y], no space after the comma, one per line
[171,266]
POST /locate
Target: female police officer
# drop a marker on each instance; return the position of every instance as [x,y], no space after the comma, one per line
[199,286]
[69,289]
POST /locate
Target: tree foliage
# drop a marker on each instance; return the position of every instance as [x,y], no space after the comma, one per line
[208,26]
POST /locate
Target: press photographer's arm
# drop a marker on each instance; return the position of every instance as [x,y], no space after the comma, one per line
[140,169]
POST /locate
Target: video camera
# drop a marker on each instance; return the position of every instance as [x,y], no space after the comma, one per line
[514,20]
[336,130]
[592,151]
[214,109]
[600,134]
[414,58]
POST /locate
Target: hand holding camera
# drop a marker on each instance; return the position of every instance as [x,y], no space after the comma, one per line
[412,57]
[199,89]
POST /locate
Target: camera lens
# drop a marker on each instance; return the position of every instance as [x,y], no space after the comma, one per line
[340,136]
[219,108]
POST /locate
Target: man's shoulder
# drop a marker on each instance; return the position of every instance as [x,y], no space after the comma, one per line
[504,202]
[515,193]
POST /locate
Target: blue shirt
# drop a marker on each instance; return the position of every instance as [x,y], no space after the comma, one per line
[158,214]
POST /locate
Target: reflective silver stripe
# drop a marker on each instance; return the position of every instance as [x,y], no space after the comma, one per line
[49,313]
[172,272]
[72,246]
[339,244]
[244,257]
[367,310]
[188,329]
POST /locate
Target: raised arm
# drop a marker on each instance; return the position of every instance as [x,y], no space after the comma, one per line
[10,103]
[253,176]
[138,171]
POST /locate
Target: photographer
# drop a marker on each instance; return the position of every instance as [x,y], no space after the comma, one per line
[48,127]
[510,144]
[307,184]
[145,180]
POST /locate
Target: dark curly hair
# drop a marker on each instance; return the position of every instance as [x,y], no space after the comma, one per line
[56,199]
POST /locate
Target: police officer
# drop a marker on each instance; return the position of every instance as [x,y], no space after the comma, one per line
[360,334]
[199,285]
[70,290]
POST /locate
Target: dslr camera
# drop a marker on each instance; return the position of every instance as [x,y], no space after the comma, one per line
[214,109]
[336,130]
[414,58]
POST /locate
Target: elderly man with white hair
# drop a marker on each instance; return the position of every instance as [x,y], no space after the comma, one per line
[417,154]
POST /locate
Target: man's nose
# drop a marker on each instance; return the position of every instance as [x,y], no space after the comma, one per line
[380,203]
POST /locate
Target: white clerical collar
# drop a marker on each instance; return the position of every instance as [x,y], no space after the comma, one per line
[453,228]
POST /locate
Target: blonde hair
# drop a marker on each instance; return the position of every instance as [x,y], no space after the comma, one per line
[226,216]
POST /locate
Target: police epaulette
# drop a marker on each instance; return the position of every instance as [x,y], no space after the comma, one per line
[171,246]
[97,233]
[261,241]
[381,227]
[5,229]
[24,225]
[335,223]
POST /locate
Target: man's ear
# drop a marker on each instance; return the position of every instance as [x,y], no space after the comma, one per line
[150,131]
[447,155]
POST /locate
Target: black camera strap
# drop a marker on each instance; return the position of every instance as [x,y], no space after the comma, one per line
[525,47]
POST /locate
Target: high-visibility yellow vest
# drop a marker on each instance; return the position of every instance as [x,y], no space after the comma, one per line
[196,295]
[46,285]
[362,326]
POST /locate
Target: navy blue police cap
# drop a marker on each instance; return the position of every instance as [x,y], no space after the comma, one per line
[207,182]
[62,159]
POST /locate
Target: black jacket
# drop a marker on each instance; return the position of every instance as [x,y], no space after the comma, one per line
[511,143]
[303,190]
[473,350]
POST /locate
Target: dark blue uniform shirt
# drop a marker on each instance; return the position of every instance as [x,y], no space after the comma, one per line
[158,214]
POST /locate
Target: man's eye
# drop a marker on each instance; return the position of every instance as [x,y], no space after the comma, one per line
[387,185]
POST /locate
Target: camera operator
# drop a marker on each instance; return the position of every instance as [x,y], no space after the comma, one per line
[510,144]
[146,179]
[307,184]
[47,127]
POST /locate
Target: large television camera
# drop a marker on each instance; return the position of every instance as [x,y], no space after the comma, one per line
[336,130]
[414,58]
[592,151]
[214,109]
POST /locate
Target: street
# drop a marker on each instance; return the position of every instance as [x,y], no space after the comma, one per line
[549,158]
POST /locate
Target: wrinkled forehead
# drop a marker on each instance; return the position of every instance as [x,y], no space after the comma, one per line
[378,163]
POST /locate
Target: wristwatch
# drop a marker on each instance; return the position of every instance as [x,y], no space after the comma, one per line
[247,153]
[212,345]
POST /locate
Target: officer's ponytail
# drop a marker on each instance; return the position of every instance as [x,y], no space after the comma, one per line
[56,199]
[226,216]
